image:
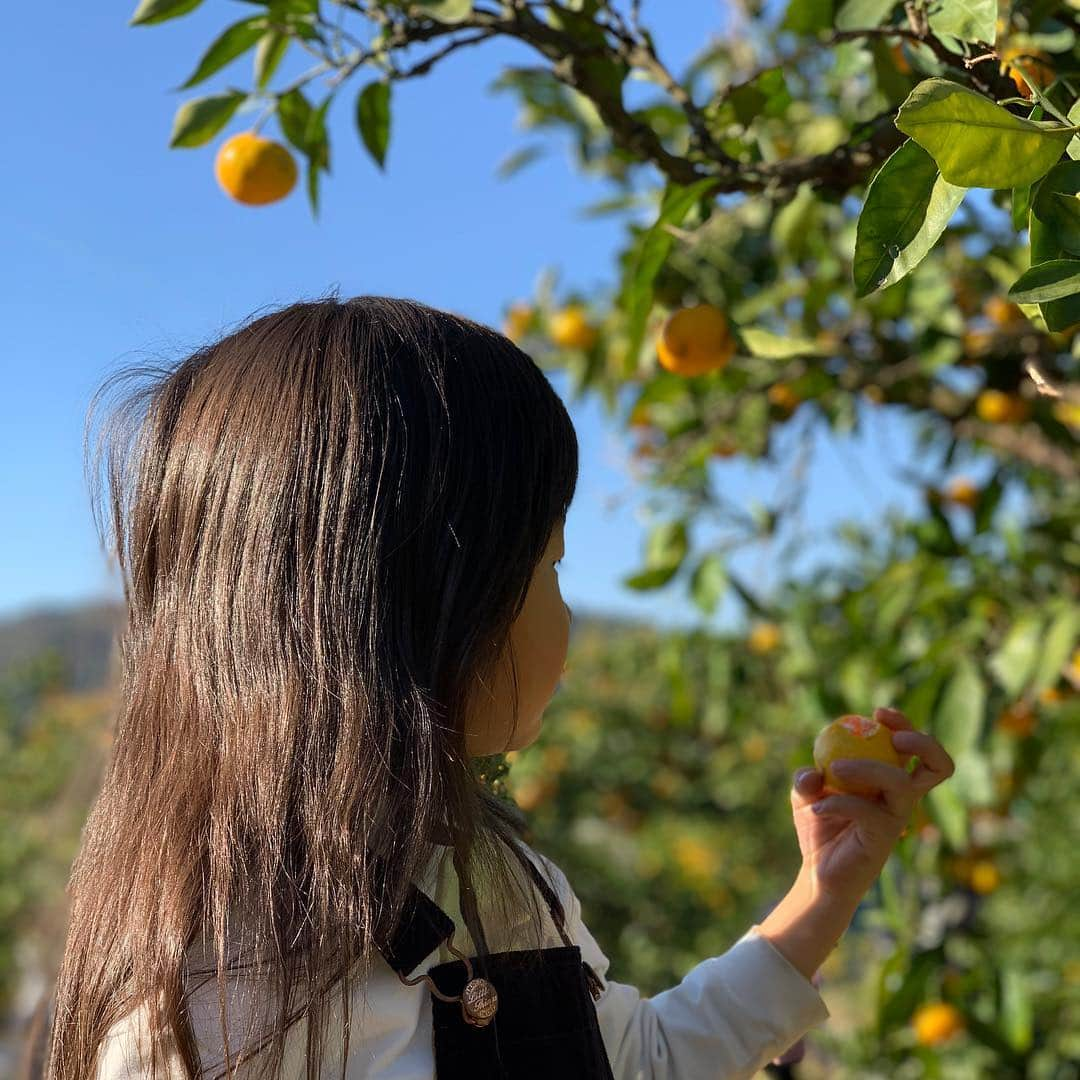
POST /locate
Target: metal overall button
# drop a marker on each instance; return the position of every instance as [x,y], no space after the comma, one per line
[479,1000]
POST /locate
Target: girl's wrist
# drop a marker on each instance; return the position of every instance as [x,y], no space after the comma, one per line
[808,923]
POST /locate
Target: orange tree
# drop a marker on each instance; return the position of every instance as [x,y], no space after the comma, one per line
[852,206]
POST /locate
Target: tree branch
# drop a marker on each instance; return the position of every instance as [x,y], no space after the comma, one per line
[579,64]
[1022,442]
[424,66]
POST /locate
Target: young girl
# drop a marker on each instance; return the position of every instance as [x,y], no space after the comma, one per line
[338,530]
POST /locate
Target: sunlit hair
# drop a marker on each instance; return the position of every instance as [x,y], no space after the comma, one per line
[326,523]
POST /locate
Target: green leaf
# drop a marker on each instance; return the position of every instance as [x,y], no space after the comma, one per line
[1057,647]
[268,55]
[293,113]
[317,146]
[989,499]
[973,779]
[1056,203]
[919,703]
[650,579]
[602,207]
[1014,663]
[313,186]
[156,11]
[708,583]
[590,67]
[1050,280]
[895,599]
[773,87]
[975,142]
[667,545]
[519,159]
[971,20]
[765,95]
[1015,1008]
[861,14]
[958,718]
[892,902]
[447,11]
[230,44]
[949,813]
[856,679]
[808,16]
[652,249]
[794,224]
[894,1009]
[666,387]
[746,102]
[895,85]
[1010,1062]
[279,9]
[1021,203]
[199,120]
[908,205]
[772,346]
[1073,116]
[1045,246]
[373,119]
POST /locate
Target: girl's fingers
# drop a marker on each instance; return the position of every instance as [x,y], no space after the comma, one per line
[892,782]
[806,786]
[934,765]
[892,718]
[878,820]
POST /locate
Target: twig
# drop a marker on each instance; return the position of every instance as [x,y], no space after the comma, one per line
[1020,442]
[1044,385]
[424,66]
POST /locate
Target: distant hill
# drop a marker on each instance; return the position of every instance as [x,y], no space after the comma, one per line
[84,636]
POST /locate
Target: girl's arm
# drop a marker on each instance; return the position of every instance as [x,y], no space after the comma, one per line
[727,1019]
[806,926]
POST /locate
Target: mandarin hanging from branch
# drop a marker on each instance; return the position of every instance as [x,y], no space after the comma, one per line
[695,340]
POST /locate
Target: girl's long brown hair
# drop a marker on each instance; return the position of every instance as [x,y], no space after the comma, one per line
[326,523]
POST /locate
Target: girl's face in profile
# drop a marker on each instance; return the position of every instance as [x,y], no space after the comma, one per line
[540,636]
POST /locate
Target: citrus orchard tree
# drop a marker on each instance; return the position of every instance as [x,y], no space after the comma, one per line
[843,208]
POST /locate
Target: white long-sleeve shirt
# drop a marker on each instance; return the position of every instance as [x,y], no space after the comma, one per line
[729,1016]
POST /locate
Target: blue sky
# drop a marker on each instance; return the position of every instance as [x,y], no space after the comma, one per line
[119,249]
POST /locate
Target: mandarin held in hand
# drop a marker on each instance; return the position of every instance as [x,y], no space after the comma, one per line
[254,170]
[853,736]
[695,340]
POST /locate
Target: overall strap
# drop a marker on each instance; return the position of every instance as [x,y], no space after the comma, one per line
[558,917]
[423,927]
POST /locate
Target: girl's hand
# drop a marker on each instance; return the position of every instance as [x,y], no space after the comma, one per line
[846,839]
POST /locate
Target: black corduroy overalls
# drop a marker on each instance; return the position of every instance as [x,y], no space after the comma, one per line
[545,1023]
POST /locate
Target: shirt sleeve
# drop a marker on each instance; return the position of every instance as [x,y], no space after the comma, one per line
[727,1019]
